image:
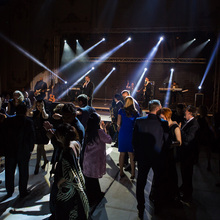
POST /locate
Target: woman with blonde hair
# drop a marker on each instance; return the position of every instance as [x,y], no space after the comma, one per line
[18,98]
[126,118]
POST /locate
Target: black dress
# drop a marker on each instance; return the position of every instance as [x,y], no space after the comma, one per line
[172,178]
[69,201]
[40,132]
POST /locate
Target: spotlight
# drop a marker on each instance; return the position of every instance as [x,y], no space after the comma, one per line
[93,68]
[161,38]
[77,40]
[113,68]
[129,38]
[65,82]
[145,69]
[64,41]
[172,69]
[194,39]
[199,87]
[103,39]
[208,39]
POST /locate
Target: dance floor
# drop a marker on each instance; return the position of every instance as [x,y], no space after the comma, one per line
[119,202]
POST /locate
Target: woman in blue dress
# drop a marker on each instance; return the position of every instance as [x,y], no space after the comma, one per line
[125,123]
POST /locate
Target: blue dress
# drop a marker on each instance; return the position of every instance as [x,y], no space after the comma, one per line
[126,131]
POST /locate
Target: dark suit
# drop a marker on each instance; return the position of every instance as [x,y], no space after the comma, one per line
[88,90]
[189,134]
[42,86]
[147,94]
[150,139]
[19,132]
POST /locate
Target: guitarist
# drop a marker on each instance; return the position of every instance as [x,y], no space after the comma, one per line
[40,89]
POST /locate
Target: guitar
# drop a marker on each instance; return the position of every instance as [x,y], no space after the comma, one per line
[37,92]
[51,96]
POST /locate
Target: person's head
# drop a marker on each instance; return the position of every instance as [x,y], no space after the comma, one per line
[68,112]
[66,133]
[129,101]
[94,121]
[82,100]
[132,85]
[154,106]
[166,113]
[18,96]
[125,93]
[39,105]
[190,112]
[129,107]
[41,78]
[25,94]
[174,83]
[117,97]
[87,78]
[58,108]
[146,79]
[21,110]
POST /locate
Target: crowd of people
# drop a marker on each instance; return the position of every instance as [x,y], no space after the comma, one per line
[159,140]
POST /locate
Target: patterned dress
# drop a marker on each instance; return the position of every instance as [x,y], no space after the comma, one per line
[69,201]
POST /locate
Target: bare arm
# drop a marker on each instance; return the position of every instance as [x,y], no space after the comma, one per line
[119,122]
[178,135]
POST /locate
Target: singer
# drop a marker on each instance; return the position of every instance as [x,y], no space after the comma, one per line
[87,89]
[146,92]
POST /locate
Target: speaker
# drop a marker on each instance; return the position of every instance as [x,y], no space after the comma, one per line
[199,99]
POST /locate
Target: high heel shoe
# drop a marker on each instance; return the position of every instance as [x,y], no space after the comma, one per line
[44,165]
[36,171]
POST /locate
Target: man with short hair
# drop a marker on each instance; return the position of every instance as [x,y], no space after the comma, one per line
[87,89]
[189,133]
[84,110]
[20,135]
[150,139]
[40,89]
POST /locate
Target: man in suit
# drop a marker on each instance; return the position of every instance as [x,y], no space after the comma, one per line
[150,139]
[87,89]
[126,93]
[40,89]
[189,133]
[19,132]
[147,92]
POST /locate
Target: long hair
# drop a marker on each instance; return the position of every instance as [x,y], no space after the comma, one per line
[129,107]
[93,125]
[69,132]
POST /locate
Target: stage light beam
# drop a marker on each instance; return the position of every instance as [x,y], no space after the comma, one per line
[79,56]
[103,81]
[210,62]
[31,57]
[167,97]
[139,82]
